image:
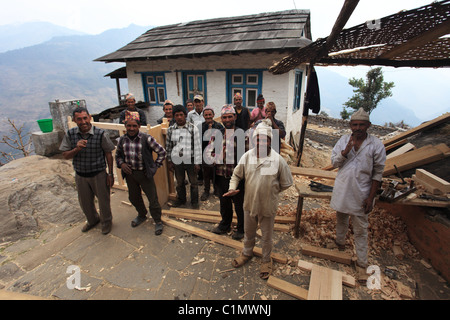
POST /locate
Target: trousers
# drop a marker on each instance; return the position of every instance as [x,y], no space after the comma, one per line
[138,182]
[250,226]
[226,204]
[90,187]
[180,171]
[360,225]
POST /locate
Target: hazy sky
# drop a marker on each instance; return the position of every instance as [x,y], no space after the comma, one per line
[96,16]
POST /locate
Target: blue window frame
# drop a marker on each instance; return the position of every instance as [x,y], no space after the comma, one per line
[246,82]
[154,84]
[194,83]
[298,90]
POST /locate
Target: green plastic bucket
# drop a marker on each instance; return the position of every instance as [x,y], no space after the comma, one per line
[46,125]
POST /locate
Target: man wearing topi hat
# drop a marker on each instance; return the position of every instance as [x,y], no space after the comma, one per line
[360,158]
[266,174]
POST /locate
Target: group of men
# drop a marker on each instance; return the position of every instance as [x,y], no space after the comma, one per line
[242,164]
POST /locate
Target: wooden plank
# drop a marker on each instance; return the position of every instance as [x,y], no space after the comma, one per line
[428,187]
[396,144]
[425,203]
[337,256]
[325,284]
[407,147]
[426,125]
[219,239]
[311,172]
[306,192]
[278,219]
[288,288]
[416,158]
[433,180]
[347,280]
[214,219]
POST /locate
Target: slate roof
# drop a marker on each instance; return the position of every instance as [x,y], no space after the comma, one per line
[273,31]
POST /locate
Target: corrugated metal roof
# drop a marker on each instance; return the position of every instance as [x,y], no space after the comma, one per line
[261,32]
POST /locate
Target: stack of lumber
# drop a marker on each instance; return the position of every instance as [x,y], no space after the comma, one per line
[416,158]
[282,223]
[324,284]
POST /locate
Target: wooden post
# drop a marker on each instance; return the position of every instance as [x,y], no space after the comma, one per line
[304,123]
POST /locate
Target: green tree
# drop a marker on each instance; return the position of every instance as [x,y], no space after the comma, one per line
[368,93]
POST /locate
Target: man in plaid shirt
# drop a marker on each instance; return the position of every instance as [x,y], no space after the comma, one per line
[134,156]
[184,155]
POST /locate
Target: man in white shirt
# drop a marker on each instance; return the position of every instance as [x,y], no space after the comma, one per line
[360,158]
[266,174]
[196,116]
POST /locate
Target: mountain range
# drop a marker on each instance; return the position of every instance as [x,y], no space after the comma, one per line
[17,36]
[60,68]
[40,67]
[335,91]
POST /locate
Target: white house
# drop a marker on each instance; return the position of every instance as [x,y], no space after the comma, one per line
[217,58]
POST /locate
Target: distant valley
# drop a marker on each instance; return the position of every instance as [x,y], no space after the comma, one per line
[60,68]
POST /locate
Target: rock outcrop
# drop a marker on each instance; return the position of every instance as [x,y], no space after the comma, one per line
[36,192]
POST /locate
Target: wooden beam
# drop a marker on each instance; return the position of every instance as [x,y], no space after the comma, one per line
[418,41]
[433,180]
[214,219]
[347,280]
[312,172]
[426,125]
[338,256]
[288,288]
[416,158]
[278,219]
[219,239]
[345,14]
[403,149]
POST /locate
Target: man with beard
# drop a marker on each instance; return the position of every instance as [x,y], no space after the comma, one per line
[360,158]
[224,152]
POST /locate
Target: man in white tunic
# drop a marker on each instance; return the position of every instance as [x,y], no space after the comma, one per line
[266,174]
[360,158]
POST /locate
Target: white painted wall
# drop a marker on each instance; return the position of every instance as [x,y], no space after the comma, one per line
[276,88]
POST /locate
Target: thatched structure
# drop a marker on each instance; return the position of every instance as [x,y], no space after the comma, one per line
[414,38]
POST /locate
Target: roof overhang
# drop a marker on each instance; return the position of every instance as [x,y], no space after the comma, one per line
[414,38]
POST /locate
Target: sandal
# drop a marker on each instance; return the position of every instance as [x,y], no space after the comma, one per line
[158,228]
[137,221]
[266,270]
[335,245]
[240,261]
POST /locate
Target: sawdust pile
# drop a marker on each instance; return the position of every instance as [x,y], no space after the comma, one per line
[318,225]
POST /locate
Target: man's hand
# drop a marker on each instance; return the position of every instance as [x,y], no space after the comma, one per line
[348,148]
[231,193]
[110,180]
[170,166]
[81,144]
[368,205]
[126,168]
